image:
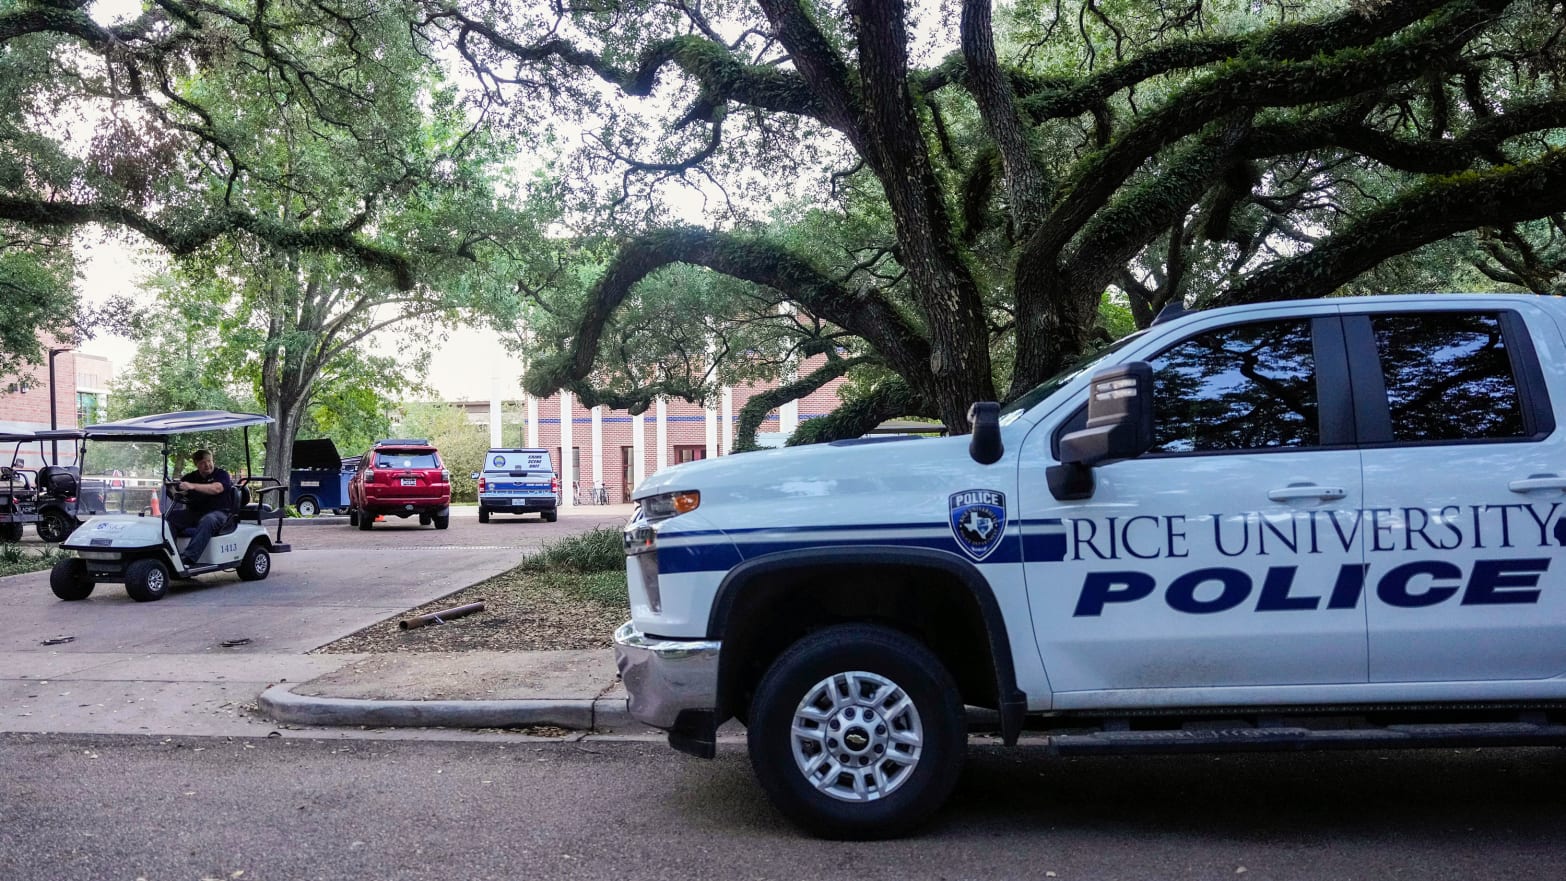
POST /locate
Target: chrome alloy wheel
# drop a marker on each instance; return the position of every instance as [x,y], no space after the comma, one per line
[857,736]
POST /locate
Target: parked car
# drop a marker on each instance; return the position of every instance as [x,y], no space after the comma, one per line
[518,481]
[401,477]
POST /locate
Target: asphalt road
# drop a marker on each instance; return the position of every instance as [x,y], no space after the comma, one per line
[187,808]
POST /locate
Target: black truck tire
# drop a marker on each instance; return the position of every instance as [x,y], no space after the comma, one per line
[857,732]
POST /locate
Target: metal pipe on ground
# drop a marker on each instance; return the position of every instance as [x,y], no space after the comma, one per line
[440,617]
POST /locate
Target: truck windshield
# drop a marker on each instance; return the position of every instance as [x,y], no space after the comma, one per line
[1038,393]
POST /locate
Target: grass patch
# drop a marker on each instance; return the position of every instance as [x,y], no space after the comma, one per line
[16,559]
[601,550]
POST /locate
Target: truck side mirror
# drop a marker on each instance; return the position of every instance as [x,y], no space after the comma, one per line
[1119,426]
[985,444]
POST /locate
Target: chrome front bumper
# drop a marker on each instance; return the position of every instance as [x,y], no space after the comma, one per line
[666,677]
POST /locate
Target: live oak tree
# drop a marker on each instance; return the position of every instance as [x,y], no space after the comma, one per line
[940,215]
[970,205]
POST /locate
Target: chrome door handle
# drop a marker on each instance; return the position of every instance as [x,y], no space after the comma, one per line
[1537,481]
[1306,491]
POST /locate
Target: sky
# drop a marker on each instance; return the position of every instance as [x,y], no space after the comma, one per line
[464,367]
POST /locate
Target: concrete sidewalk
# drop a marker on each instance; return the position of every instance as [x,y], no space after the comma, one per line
[567,689]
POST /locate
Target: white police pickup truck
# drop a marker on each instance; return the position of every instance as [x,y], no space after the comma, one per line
[1291,525]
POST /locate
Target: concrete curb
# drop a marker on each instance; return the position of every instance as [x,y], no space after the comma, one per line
[280,704]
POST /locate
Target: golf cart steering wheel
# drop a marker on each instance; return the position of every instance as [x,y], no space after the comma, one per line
[172,488]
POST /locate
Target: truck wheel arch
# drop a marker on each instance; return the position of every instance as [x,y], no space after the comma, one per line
[761,582]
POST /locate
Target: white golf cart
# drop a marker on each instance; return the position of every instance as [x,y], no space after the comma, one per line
[126,536]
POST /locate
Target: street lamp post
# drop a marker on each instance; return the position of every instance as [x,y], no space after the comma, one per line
[54,398]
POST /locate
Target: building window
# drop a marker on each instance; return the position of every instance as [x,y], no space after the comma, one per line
[88,409]
[689,452]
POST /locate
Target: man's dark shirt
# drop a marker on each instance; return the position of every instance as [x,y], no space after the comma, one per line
[200,503]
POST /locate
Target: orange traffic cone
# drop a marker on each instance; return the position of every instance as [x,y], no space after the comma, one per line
[156,512]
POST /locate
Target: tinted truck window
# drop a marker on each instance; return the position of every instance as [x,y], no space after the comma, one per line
[1448,377]
[1252,386]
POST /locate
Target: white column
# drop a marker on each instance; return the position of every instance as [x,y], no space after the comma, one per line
[567,473]
[661,436]
[728,420]
[532,421]
[711,421]
[494,410]
[638,452]
[598,446]
[788,417]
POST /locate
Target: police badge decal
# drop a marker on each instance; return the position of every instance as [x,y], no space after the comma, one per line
[978,519]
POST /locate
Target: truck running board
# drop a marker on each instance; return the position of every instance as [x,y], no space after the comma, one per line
[1243,738]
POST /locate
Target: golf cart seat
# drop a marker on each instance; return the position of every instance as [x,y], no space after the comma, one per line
[57,480]
[258,511]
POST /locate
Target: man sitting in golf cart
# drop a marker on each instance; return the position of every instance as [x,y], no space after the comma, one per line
[208,495]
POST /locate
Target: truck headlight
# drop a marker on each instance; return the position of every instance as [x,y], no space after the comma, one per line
[666,505]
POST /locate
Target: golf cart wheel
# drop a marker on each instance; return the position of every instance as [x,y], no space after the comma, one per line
[366,520]
[425,519]
[483,515]
[11,531]
[70,580]
[441,521]
[55,527]
[551,516]
[257,562]
[147,580]
[307,506]
[857,732]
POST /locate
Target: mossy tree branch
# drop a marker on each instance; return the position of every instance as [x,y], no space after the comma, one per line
[760,404]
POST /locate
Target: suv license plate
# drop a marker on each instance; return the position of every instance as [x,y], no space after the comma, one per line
[410,481]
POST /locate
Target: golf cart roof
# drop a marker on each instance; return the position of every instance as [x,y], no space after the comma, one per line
[60,434]
[162,425]
[11,437]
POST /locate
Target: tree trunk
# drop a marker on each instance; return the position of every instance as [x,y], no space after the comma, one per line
[280,434]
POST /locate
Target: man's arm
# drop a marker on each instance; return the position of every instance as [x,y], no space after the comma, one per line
[220,483]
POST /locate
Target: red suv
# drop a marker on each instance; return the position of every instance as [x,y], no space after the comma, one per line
[404,477]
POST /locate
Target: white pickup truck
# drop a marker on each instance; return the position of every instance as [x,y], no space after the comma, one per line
[1292,525]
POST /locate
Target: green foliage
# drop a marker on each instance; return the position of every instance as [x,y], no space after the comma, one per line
[18,559]
[462,444]
[601,550]
[35,296]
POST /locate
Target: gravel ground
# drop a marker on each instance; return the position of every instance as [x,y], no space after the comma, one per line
[523,611]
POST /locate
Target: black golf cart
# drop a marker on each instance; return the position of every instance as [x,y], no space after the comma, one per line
[18,489]
[63,501]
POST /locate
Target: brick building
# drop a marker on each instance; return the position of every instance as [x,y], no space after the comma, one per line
[613,451]
[80,394]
